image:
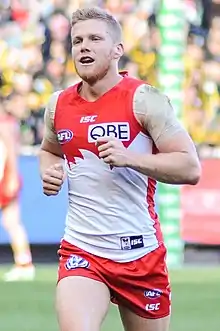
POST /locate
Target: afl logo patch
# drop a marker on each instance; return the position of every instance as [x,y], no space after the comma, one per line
[64,136]
[76,261]
[153,294]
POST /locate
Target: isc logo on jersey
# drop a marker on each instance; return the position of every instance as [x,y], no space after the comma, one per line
[119,130]
[88,119]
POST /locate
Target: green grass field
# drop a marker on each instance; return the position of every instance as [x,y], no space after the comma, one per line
[29,306]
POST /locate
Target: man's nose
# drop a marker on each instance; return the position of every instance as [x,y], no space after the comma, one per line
[85,47]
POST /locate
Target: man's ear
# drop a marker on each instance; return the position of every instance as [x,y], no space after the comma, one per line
[119,51]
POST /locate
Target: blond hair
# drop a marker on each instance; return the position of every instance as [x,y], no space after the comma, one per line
[95,13]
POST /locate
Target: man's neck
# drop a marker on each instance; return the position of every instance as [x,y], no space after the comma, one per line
[93,92]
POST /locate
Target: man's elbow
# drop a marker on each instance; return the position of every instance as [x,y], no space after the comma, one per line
[194,172]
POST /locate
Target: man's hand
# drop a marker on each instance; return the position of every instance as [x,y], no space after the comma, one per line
[53,179]
[112,151]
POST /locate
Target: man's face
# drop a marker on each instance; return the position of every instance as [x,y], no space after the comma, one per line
[93,49]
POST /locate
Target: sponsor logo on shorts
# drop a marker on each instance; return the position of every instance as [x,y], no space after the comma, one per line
[64,136]
[119,130]
[132,242]
[152,306]
[153,294]
[76,261]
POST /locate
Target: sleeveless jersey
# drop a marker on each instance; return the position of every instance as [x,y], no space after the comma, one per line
[111,210]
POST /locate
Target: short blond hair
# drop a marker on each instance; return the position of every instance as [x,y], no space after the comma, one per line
[95,13]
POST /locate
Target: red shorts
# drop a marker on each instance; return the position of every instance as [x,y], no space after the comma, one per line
[142,285]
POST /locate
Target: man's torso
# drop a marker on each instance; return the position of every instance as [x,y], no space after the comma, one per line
[111,210]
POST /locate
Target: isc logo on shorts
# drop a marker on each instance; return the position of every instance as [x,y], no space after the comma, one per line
[120,130]
[152,306]
[76,261]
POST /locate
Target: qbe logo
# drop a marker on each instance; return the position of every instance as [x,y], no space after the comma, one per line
[119,130]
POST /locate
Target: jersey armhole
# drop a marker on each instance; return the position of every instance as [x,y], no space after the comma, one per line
[52,108]
[138,104]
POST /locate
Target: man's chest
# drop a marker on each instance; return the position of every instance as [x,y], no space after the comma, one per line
[81,129]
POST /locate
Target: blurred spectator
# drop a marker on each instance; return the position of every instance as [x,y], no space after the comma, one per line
[35,58]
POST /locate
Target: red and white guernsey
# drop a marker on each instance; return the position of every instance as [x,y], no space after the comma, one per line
[111,210]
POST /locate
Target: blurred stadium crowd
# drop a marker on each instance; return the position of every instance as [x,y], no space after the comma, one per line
[35,58]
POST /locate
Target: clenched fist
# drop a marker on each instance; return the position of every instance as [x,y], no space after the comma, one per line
[113,152]
[53,179]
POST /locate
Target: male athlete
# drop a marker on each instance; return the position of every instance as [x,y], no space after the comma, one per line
[118,136]
[9,201]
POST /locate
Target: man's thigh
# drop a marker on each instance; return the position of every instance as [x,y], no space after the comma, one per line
[82,299]
[147,304]
[143,287]
[81,303]
[133,322]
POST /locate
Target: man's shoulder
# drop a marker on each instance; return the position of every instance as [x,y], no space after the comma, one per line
[141,88]
[131,82]
[148,90]
[60,93]
[69,89]
[53,100]
[148,98]
[69,92]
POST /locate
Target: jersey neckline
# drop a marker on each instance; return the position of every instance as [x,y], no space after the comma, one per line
[123,74]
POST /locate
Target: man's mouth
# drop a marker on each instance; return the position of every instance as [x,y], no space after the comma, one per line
[86,60]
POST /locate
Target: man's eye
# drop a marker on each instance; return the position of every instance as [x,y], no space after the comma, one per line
[95,38]
[75,42]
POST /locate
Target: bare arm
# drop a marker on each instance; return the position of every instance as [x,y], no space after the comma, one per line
[50,151]
[177,161]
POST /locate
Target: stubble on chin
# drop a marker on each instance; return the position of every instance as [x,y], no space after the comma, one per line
[93,78]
